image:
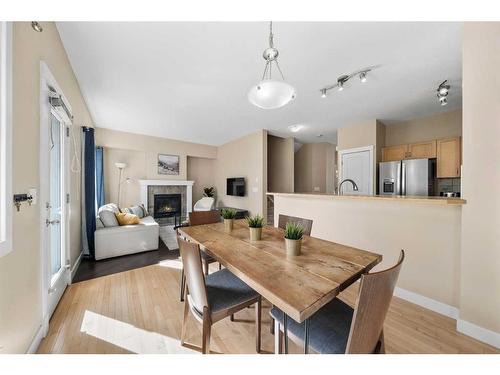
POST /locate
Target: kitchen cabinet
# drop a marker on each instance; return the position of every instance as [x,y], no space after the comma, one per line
[422,150]
[393,153]
[448,153]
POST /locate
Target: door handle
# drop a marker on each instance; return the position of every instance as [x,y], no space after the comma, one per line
[51,222]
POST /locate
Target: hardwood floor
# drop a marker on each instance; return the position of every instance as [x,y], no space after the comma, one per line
[138,311]
[90,269]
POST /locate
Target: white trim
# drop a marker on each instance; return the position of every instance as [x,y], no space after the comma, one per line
[428,303]
[76,265]
[479,333]
[370,149]
[6,137]
[40,334]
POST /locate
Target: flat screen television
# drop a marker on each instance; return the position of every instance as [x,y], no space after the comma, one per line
[236,186]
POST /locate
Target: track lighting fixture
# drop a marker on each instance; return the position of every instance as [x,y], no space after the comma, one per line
[36,26]
[342,80]
[442,93]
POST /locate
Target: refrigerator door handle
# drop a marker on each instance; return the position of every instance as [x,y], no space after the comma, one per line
[403,178]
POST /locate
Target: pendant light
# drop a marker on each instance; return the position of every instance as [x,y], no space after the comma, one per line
[271,93]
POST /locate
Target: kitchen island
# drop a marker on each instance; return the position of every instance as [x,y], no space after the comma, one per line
[427,228]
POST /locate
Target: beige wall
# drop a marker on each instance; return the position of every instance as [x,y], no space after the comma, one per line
[20,274]
[480,265]
[140,152]
[202,172]
[429,234]
[280,164]
[244,157]
[443,125]
[315,168]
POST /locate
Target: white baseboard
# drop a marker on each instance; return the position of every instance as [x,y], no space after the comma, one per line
[479,333]
[76,265]
[40,334]
[428,303]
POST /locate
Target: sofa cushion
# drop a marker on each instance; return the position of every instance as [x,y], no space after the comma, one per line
[108,218]
[127,219]
[109,207]
[138,210]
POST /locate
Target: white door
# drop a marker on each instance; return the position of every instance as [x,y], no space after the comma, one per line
[357,165]
[56,214]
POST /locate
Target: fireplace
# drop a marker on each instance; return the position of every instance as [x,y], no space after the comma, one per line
[167,205]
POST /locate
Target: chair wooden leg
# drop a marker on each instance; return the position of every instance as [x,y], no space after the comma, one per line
[381,344]
[205,268]
[220,266]
[271,327]
[207,327]
[231,317]
[183,284]
[258,321]
[278,338]
[184,323]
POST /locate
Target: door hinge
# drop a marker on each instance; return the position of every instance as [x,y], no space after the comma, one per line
[67,131]
[67,198]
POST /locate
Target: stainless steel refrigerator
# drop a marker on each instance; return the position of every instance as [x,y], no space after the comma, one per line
[407,177]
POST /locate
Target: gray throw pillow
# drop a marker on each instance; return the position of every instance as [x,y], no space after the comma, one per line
[108,218]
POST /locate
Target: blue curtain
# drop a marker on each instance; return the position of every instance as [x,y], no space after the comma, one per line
[88,193]
[99,176]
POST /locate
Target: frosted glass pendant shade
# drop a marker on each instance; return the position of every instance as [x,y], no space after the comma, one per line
[271,93]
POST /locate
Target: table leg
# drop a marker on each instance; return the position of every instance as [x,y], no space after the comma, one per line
[285,331]
[306,336]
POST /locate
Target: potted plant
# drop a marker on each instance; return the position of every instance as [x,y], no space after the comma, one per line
[228,215]
[293,238]
[255,224]
[209,192]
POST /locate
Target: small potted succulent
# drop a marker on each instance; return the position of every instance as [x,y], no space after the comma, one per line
[255,224]
[228,215]
[293,238]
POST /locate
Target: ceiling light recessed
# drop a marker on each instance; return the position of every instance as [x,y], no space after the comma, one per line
[319,135]
[36,26]
[295,128]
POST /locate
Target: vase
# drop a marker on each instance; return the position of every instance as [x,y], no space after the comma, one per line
[293,246]
[228,224]
[255,234]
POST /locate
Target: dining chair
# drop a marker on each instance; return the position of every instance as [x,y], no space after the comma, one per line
[213,297]
[200,218]
[337,328]
[305,223]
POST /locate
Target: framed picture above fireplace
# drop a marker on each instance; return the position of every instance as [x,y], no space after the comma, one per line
[168,164]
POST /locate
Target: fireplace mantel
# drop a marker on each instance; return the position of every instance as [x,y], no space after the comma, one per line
[188,184]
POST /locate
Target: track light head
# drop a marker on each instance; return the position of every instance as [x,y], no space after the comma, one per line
[340,85]
[323,93]
[362,77]
[36,26]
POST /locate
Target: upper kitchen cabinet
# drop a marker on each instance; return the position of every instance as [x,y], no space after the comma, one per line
[422,150]
[448,157]
[393,153]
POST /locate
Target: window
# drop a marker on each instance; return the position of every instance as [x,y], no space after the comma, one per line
[5,138]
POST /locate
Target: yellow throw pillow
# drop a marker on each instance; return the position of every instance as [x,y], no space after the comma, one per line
[127,219]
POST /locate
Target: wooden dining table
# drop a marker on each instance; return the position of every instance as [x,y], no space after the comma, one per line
[298,285]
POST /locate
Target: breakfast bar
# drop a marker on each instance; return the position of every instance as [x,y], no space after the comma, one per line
[427,228]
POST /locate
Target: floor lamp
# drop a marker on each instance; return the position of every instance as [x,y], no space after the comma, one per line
[121,167]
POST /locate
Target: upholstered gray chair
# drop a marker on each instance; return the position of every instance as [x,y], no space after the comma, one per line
[337,328]
[213,297]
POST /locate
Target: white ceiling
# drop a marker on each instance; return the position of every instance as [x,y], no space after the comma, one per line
[189,80]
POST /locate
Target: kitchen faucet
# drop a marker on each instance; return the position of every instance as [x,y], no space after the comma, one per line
[354,186]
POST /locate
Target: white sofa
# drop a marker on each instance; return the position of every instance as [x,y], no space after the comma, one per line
[115,241]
